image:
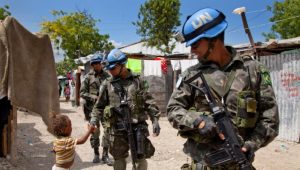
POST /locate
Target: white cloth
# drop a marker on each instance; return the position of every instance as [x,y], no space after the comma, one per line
[152,68]
[176,64]
[54,167]
[185,64]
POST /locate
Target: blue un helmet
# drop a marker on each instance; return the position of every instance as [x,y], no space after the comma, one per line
[205,23]
[97,58]
[113,58]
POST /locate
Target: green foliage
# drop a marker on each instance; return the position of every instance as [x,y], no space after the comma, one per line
[64,66]
[157,23]
[270,35]
[76,34]
[4,12]
[287,19]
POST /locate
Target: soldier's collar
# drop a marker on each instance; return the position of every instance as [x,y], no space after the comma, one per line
[234,56]
[208,64]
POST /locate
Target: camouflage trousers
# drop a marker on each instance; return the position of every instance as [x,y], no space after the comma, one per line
[95,138]
[119,145]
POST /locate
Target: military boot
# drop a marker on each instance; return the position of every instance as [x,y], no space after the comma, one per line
[105,158]
[96,155]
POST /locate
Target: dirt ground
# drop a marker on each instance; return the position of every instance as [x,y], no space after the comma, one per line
[35,143]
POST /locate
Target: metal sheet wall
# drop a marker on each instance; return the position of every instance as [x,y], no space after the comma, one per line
[285,75]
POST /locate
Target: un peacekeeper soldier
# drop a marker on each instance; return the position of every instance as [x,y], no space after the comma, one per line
[140,103]
[90,91]
[242,84]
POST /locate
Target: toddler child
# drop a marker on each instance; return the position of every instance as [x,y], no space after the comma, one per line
[64,145]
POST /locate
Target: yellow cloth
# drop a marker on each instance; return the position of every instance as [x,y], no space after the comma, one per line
[135,65]
[64,148]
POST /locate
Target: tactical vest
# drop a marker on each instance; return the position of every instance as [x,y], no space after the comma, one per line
[238,90]
[94,84]
[92,88]
[135,97]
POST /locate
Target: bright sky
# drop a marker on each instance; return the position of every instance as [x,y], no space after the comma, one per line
[117,15]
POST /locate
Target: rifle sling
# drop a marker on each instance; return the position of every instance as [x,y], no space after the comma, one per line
[221,91]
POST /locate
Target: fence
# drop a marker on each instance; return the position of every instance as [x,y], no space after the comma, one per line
[285,75]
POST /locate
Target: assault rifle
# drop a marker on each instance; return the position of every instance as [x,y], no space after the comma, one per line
[230,150]
[125,113]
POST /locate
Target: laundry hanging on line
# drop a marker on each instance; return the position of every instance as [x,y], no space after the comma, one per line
[183,64]
[152,68]
[135,65]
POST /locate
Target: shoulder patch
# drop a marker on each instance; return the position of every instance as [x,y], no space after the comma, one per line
[265,75]
[145,84]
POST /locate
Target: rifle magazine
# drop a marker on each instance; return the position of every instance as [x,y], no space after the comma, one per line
[218,157]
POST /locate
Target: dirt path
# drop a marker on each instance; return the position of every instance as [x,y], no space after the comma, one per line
[34,145]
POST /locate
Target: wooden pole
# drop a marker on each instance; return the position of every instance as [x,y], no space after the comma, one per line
[4,141]
[248,32]
[241,11]
[77,87]
[13,136]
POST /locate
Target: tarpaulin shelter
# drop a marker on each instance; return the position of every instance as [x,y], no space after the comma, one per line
[27,75]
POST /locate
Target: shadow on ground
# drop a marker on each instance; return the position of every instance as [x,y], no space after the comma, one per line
[35,154]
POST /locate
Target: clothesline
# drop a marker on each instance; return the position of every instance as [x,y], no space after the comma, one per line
[154,67]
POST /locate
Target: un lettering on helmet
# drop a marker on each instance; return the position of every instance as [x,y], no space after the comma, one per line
[204,23]
[201,20]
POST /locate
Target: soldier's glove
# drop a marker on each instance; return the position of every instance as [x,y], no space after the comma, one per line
[156,127]
[251,147]
[206,126]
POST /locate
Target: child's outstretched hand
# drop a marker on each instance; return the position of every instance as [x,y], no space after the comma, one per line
[91,128]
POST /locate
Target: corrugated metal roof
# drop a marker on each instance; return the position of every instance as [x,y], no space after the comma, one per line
[275,46]
[83,60]
[295,40]
[141,49]
[285,42]
[271,47]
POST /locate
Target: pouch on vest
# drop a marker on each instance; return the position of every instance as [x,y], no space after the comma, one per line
[138,101]
[246,109]
[109,116]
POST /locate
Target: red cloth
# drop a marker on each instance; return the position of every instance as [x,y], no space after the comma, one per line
[164,66]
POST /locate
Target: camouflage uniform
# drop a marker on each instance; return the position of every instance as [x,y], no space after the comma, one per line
[140,103]
[245,88]
[90,91]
